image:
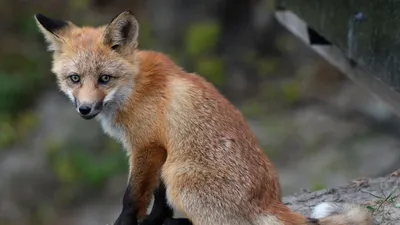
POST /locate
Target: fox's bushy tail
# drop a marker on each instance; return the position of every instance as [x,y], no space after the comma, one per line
[330,213]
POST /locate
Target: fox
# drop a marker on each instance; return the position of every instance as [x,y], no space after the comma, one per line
[183,138]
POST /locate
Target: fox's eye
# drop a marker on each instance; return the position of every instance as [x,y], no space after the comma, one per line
[104,79]
[75,78]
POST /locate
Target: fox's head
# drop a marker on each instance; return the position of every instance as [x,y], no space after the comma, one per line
[95,66]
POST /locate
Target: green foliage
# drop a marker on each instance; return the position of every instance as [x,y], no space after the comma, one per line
[269,92]
[27,26]
[371,208]
[389,200]
[290,92]
[81,168]
[8,133]
[212,69]
[13,129]
[202,38]
[286,43]
[21,79]
[280,94]
[317,186]
[42,214]
[146,38]
[271,5]
[267,66]
[73,164]
[17,92]
[251,109]
[79,4]
[270,151]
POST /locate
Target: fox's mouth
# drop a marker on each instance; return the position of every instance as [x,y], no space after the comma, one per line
[89,111]
[88,117]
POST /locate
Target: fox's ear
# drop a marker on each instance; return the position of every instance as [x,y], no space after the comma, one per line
[122,32]
[52,30]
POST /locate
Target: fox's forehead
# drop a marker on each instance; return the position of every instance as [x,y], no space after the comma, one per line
[84,38]
[84,53]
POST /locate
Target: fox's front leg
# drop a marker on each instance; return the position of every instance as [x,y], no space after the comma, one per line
[128,215]
[162,213]
[159,213]
[161,210]
[145,166]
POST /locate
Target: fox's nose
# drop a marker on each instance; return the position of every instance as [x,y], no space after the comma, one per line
[84,110]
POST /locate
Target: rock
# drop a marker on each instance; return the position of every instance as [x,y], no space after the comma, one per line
[371,193]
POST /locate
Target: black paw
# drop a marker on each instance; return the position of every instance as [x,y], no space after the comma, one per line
[151,221]
[180,221]
[126,218]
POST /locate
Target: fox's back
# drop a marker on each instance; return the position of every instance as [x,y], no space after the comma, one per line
[206,132]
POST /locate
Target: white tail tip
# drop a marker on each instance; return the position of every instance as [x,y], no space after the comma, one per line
[324,209]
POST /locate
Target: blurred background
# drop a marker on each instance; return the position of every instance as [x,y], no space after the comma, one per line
[318,128]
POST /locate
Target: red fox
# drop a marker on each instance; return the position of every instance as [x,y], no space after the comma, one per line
[175,126]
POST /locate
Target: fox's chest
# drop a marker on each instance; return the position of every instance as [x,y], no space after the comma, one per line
[112,129]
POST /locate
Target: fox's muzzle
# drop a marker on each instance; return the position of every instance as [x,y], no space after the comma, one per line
[88,110]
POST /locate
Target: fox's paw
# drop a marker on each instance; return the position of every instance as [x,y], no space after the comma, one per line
[174,221]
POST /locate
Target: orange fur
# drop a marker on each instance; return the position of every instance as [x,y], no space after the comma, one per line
[177,125]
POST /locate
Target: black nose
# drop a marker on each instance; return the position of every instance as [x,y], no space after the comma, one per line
[84,110]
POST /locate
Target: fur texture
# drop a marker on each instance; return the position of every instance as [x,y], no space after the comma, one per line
[341,214]
[177,125]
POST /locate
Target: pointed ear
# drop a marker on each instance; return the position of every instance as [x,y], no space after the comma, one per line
[122,32]
[52,30]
